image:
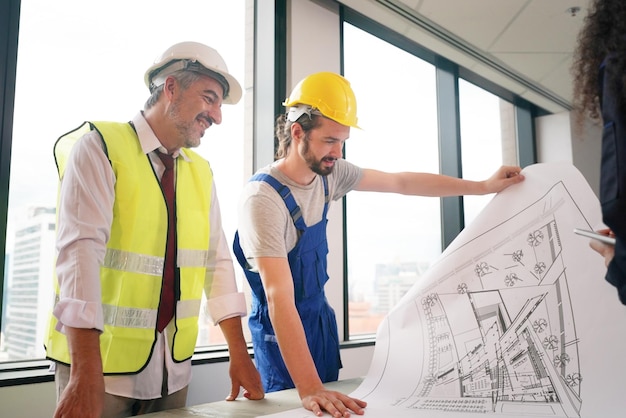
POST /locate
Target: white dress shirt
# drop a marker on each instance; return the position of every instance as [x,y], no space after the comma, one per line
[84,218]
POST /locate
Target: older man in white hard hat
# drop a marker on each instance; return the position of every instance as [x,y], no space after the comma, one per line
[139,239]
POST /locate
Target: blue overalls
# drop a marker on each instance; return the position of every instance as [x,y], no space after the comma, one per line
[308,268]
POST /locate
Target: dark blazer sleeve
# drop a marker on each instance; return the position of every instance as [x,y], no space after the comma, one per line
[613,172]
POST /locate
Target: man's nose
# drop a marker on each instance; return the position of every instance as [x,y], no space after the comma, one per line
[337,150]
[216,115]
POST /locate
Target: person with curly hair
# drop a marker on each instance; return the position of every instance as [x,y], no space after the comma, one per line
[599,71]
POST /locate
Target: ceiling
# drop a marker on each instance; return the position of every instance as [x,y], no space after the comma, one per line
[524,45]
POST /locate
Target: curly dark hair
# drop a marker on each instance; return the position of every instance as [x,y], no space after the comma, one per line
[603,35]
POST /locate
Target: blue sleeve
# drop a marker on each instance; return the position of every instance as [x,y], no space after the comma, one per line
[616,273]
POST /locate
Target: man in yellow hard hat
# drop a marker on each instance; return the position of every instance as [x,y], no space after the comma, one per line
[281,238]
[139,239]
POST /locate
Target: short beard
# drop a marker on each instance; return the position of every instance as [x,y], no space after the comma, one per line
[314,165]
[184,129]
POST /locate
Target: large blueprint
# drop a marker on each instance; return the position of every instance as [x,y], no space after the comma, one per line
[515,318]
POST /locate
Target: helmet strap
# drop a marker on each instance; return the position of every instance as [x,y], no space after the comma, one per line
[294,112]
[160,74]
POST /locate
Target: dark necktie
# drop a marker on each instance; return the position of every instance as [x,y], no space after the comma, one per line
[168,300]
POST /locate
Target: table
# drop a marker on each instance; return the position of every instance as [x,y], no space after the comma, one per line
[274,402]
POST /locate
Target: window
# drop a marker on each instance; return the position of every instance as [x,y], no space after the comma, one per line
[391,239]
[488,139]
[82,61]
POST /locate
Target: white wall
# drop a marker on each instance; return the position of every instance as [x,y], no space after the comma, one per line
[559,138]
[554,142]
[35,400]
[587,150]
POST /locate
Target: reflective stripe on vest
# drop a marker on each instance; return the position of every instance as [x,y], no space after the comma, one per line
[153,265]
[145,318]
[132,269]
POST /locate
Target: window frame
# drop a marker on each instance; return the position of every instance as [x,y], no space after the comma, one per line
[9,18]
[449,122]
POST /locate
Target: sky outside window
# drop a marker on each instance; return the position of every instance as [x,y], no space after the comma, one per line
[391,238]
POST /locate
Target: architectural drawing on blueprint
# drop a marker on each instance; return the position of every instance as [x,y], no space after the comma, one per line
[509,321]
[518,341]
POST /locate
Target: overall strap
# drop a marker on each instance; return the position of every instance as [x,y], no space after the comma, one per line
[285,194]
[326,197]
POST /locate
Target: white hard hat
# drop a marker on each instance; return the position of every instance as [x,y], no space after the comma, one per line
[186,55]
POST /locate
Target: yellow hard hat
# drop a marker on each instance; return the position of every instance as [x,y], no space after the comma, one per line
[329,93]
[186,55]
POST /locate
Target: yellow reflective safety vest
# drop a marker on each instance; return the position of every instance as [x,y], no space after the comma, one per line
[131,274]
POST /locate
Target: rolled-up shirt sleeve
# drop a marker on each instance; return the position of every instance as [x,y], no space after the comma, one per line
[223,298]
[83,229]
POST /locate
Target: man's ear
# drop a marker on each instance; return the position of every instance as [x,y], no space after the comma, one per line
[169,87]
[297,133]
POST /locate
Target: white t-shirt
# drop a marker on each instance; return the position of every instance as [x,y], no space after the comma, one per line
[266,228]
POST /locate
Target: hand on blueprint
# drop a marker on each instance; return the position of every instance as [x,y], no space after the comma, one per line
[244,374]
[242,371]
[505,176]
[605,250]
[336,404]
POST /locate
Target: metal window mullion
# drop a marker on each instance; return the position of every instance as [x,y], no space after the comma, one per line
[270,68]
[526,147]
[448,120]
[9,32]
